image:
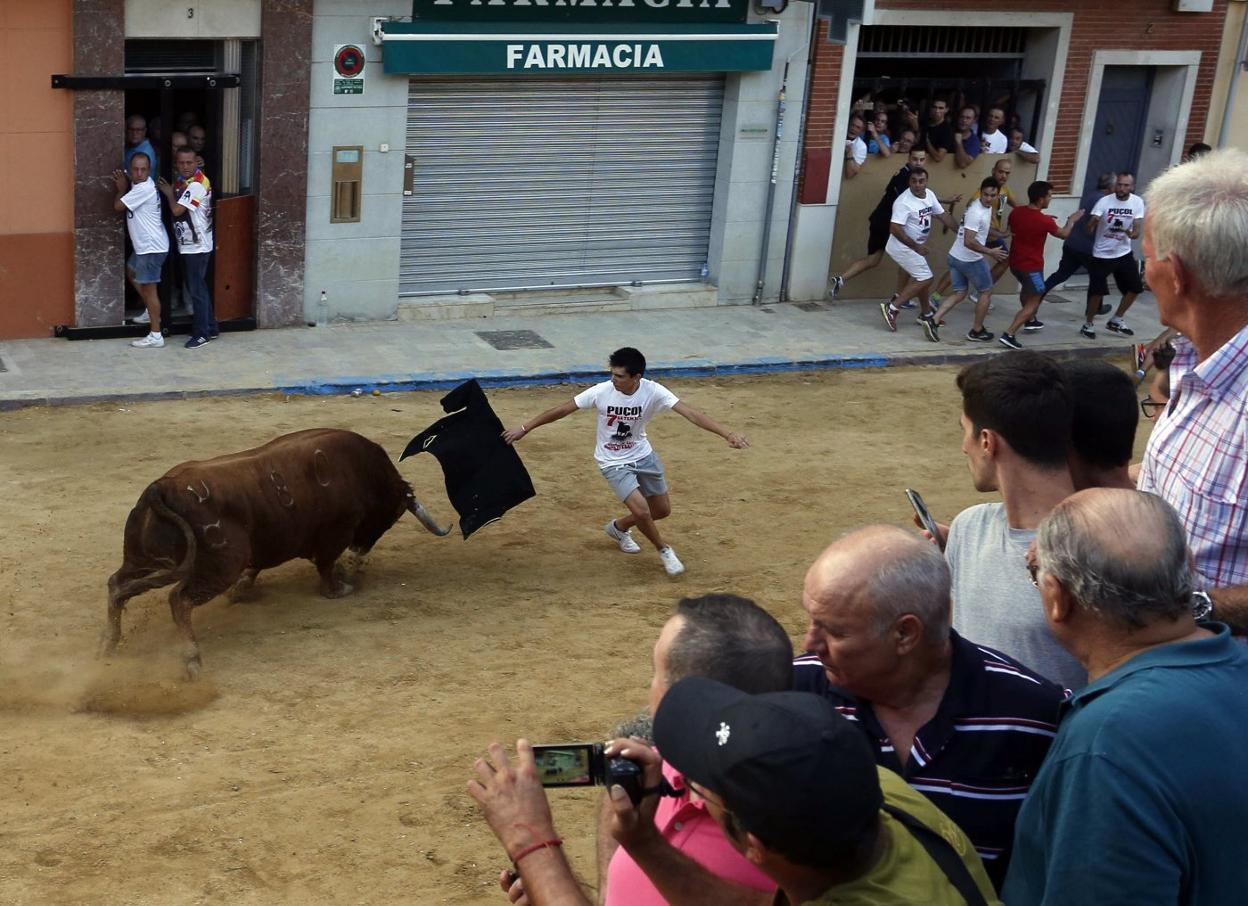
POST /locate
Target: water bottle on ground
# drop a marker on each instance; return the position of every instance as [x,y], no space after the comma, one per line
[322,311]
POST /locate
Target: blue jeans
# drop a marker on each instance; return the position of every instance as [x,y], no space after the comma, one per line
[195,278]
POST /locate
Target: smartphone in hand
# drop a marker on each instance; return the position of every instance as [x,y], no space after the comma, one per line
[920,509]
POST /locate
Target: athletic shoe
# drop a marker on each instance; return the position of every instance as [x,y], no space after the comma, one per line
[1034,324]
[671,563]
[835,285]
[1117,325]
[909,304]
[1104,309]
[152,341]
[1006,340]
[1088,332]
[623,539]
[196,342]
[983,336]
[929,328]
[890,315]
[141,318]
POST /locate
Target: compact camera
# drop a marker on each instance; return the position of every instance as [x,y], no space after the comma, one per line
[586,764]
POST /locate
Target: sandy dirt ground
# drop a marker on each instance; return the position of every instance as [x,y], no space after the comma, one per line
[323,756]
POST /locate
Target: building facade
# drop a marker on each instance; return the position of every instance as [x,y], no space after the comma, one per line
[459,158]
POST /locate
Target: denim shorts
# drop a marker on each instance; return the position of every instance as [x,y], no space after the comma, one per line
[646,475]
[146,267]
[1030,283]
[975,273]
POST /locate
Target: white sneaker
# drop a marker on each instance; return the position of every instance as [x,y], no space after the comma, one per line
[152,340]
[142,318]
[624,539]
[671,563]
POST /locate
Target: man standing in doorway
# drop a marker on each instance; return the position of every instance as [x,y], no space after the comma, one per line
[137,142]
[1115,221]
[991,139]
[625,404]
[938,138]
[190,201]
[138,199]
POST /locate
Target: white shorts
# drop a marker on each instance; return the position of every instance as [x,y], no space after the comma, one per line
[911,261]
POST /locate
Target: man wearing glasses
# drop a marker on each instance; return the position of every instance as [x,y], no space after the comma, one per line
[1197,455]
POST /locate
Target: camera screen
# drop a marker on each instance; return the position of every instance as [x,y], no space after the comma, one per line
[564,765]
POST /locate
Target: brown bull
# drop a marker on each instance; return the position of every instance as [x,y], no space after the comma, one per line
[211,526]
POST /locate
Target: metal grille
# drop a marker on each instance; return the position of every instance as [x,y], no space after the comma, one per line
[537,183]
[924,41]
[171,56]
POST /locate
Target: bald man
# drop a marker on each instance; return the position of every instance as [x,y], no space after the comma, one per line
[1142,799]
[963,724]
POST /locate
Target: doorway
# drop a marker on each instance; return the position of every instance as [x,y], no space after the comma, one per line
[218,122]
[1121,115]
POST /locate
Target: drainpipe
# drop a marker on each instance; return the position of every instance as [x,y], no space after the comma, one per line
[771,186]
[1235,74]
[786,273]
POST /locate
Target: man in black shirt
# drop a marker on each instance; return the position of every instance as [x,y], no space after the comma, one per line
[938,137]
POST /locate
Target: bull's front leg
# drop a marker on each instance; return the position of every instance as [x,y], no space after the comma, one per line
[181,606]
[112,629]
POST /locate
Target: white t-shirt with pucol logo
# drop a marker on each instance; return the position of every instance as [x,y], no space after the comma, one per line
[1117,217]
[915,216]
[622,419]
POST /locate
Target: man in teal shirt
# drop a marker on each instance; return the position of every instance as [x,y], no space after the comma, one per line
[1142,798]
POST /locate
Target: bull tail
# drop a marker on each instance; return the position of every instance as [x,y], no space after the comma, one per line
[121,590]
[415,507]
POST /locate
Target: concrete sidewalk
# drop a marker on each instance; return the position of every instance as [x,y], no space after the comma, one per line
[409,355]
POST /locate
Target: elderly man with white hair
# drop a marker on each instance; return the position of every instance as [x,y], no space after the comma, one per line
[1195,236]
[1141,799]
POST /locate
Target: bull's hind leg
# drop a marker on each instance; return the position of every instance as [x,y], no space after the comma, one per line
[122,586]
[245,588]
[181,605]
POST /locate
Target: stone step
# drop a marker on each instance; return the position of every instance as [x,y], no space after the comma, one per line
[560,301]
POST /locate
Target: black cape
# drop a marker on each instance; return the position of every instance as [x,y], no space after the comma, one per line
[484,475]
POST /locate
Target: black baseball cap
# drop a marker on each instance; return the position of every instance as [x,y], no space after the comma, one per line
[786,764]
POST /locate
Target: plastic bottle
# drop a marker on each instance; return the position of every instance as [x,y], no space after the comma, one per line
[705,272]
[322,311]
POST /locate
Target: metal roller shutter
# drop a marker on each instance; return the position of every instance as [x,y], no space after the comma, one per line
[525,183]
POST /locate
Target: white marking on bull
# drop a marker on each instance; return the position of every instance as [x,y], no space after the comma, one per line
[207,494]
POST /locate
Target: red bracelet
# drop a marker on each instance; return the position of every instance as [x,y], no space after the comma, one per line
[529,850]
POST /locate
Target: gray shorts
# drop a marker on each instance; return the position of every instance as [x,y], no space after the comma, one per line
[646,475]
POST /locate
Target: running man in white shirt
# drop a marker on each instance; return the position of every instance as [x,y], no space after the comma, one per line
[968,260]
[625,404]
[910,226]
[1114,221]
[139,200]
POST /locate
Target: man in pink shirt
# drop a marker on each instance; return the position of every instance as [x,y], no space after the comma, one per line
[717,636]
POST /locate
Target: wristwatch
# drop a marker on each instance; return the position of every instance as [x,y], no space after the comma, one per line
[1202,606]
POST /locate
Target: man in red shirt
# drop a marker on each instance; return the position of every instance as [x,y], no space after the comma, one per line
[1029,226]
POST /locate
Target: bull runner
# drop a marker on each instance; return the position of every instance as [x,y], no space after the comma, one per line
[625,404]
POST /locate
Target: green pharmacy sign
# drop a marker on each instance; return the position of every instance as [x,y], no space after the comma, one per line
[477,48]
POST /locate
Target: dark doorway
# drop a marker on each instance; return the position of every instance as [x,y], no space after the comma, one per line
[1121,113]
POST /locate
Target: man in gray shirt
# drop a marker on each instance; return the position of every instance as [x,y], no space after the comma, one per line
[1016,422]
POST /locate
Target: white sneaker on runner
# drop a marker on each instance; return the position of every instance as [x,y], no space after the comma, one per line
[671,563]
[151,341]
[141,318]
[623,539]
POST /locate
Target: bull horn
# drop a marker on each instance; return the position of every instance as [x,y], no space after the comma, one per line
[416,509]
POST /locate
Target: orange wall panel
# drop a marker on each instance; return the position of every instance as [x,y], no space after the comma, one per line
[36,284]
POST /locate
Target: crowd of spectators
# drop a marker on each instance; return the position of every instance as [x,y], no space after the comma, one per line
[1039,703]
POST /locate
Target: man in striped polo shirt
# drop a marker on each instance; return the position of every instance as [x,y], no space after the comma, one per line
[963,724]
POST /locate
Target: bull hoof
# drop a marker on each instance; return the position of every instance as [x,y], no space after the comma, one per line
[338,590]
[193,669]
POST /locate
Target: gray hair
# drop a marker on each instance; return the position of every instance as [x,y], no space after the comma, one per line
[917,581]
[1122,557]
[1106,181]
[731,639]
[1198,212]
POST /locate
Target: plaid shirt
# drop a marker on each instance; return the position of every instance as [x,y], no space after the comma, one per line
[1197,457]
